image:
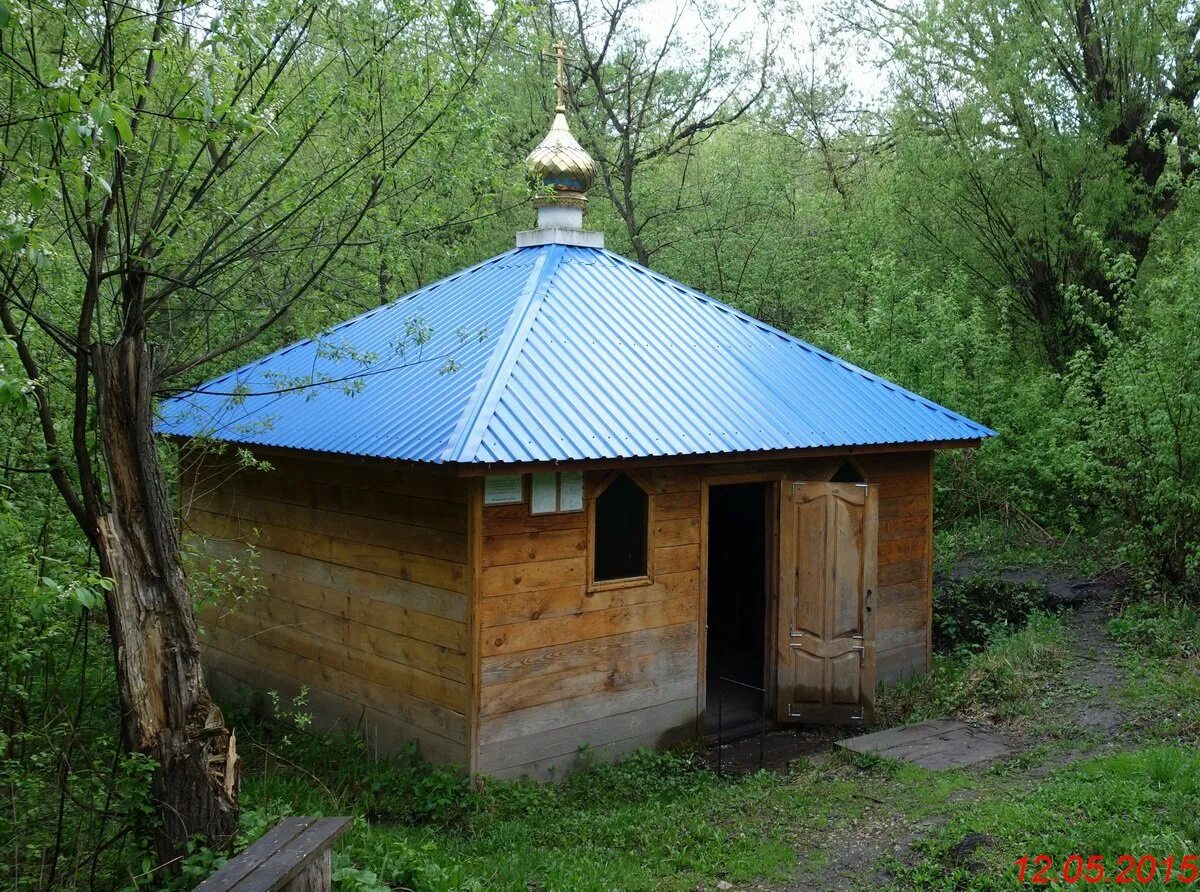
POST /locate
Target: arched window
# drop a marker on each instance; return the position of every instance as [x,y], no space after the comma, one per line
[621,530]
[847,472]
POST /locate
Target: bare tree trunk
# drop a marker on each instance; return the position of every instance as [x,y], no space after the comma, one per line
[167,712]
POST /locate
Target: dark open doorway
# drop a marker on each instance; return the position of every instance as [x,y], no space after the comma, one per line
[739,564]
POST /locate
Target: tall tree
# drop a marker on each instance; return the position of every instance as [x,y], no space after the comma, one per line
[178,186]
[642,100]
[1022,128]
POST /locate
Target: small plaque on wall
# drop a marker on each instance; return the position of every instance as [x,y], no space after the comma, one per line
[570,491]
[502,489]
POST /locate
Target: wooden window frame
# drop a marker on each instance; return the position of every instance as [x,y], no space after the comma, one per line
[591,494]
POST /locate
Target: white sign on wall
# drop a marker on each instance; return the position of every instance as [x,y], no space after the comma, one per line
[502,489]
[570,491]
[557,492]
[545,494]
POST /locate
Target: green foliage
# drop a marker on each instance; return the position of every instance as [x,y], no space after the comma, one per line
[1141,406]
[1008,679]
[650,822]
[971,612]
[76,804]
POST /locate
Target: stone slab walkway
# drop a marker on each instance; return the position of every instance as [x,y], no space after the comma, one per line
[936,745]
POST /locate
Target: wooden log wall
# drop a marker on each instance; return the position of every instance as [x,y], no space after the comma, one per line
[365,602]
[369,578]
[903,633]
[562,666]
[617,669]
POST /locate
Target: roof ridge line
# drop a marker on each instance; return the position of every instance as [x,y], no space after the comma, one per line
[795,341]
[468,434]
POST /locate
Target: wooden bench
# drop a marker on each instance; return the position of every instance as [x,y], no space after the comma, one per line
[296,856]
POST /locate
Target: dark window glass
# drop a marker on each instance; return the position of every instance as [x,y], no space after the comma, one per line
[622,516]
[847,473]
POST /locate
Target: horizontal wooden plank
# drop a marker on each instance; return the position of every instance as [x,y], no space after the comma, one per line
[665,722]
[425,714]
[903,594]
[673,505]
[586,656]
[401,593]
[899,636]
[240,629]
[532,577]
[563,713]
[894,464]
[913,483]
[509,520]
[900,663]
[373,474]
[384,734]
[676,559]
[344,552]
[911,526]
[516,637]
[274,486]
[576,599]
[532,547]
[678,531]
[640,667]
[557,767]
[896,572]
[898,550]
[413,538]
[430,657]
[670,480]
[436,630]
[903,507]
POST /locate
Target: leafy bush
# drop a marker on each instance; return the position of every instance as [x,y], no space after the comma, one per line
[1158,628]
[403,789]
[969,613]
[1138,406]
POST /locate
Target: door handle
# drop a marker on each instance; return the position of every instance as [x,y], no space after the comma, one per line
[867,600]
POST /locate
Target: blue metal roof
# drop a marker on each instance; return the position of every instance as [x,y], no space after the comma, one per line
[556,353]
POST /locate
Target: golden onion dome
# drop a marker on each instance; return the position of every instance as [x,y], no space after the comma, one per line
[560,161]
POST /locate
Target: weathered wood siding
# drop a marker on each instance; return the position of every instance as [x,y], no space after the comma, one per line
[370,578]
[904,600]
[562,666]
[618,669]
[365,573]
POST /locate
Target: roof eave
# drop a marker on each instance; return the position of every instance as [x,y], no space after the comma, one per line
[479,469]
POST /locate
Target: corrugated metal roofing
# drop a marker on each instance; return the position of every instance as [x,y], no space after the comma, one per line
[556,353]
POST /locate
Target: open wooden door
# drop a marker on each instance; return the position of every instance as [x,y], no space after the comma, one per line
[828,549]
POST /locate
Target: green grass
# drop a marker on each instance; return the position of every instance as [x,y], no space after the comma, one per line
[1160,654]
[1017,676]
[664,822]
[657,821]
[654,822]
[1136,803]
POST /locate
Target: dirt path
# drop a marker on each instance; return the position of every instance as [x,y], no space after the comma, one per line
[847,855]
[1100,707]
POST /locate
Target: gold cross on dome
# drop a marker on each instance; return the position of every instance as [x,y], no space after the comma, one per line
[560,80]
